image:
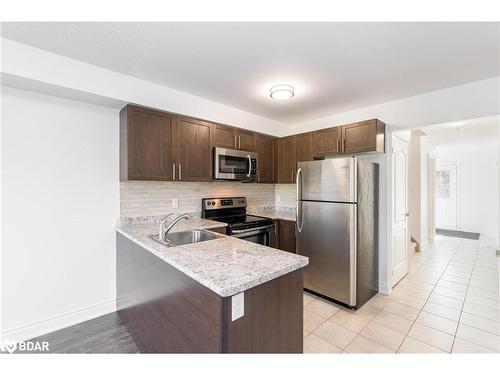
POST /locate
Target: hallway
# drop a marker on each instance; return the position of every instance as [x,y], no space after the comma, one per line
[449,302]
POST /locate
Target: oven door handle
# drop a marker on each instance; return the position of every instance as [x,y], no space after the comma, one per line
[251,230]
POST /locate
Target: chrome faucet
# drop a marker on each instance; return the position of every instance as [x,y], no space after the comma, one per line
[162,236]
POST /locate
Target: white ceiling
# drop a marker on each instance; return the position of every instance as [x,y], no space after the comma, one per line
[335,67]
[472,134]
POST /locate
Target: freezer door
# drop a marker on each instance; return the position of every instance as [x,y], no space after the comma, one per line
[331,180]
[326,233]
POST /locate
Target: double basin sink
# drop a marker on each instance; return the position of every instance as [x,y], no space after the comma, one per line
[186,238]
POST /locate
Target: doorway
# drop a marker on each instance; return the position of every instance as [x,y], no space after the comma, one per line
[446,196]
[400,205]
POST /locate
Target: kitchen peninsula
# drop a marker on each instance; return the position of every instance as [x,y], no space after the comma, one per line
[222,295]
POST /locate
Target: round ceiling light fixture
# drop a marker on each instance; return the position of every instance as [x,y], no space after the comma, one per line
[282,92]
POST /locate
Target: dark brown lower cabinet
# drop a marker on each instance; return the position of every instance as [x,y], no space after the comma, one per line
[283,237]
[168,312]
[287,239]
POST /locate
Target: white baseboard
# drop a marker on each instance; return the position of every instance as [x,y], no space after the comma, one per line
[384,288]
[58,322]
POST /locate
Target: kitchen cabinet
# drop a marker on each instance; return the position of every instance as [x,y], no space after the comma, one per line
[234,138]
[286,160]
[146,144]
[327,141]
[161,146]
[264,146]
[167,311]
[286,236]
[246,140]
[365,136]
[192,160]
[274,240]
[224,136]
[303,147]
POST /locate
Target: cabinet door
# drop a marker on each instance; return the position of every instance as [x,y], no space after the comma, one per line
[286,160]
[246,140]
[193,150]
[224,136]
[327,141]
[145,142]
[264,146]
[303,147]
[286,233]
[361,136]
[275,235]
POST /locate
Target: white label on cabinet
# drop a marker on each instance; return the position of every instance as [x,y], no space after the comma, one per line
[237,306]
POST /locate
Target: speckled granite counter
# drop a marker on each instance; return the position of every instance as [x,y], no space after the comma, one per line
[225,265]
[274,213]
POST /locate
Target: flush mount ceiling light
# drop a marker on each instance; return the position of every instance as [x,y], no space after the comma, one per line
[282,92]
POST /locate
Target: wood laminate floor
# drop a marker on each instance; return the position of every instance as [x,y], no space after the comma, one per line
[105,334]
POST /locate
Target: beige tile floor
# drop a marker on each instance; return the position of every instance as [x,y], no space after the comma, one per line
[448,303]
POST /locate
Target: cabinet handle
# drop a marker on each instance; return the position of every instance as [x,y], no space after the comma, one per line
[338,146]
[344,146]
[173,172]
[180,172]
[239,142]
[235,144]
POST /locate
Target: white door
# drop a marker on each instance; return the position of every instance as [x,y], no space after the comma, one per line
[400,215]
[446,197]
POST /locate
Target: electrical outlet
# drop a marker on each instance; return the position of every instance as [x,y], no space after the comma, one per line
[278,198]
[175,203]
[237,306]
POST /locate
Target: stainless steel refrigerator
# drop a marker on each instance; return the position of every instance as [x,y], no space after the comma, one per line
[337,228]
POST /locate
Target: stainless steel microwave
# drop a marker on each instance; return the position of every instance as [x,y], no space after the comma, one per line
[234,164]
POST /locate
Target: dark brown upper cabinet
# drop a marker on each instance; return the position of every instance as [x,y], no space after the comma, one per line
[365,136]
[327,141]
[145,144]
[224,136]
[192,151]
[229,137]
[286,160]
[264,146]
[246,140]
[303,147]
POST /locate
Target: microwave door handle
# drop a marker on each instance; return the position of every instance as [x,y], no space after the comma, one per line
[249,166]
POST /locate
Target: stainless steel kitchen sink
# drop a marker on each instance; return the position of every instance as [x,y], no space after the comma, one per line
[186,238]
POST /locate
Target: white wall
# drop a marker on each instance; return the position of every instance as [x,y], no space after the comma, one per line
[59,75]
[477,187]
[415,184]
[60,203]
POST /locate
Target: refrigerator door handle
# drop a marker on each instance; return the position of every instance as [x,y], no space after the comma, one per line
[300,220]
[353,254]
[299,197]
[299,184]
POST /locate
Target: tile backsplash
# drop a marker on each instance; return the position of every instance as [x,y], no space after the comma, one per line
[149,198]
[285,195]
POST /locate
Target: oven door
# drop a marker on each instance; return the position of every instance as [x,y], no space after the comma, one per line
[234,165]
[259,235]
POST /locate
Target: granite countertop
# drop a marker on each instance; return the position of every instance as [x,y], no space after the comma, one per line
[225,265]
[274,213]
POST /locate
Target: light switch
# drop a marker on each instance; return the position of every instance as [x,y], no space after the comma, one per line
[237,306]
[175,203]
